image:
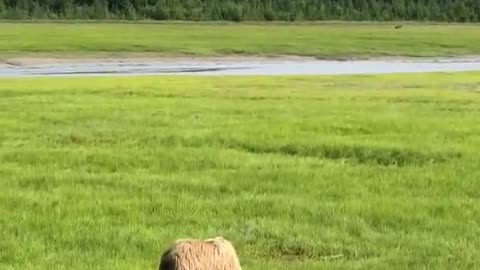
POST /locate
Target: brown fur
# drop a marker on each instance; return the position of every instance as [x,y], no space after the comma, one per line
[191,254]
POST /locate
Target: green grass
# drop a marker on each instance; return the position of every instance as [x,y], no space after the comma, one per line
[322,40]
[358,172]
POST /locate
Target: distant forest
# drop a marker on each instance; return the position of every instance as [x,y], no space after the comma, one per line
[245,10]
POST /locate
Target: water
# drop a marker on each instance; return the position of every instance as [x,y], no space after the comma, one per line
[243,67]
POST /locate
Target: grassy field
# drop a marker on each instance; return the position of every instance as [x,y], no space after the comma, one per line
[362,172]
[327,40]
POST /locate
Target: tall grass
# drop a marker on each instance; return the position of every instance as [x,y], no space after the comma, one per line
[347,172]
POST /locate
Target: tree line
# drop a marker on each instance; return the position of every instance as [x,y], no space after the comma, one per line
[245,10]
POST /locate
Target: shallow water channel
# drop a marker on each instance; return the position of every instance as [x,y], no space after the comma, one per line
[245,66]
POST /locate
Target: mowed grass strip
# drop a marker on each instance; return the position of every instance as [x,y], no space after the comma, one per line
[346,172]
[326,40]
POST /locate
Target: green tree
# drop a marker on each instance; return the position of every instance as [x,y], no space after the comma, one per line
[2,8]
[232,11]
[375,9]
[477,11]
[68,9]
[194,10]
[435,11]
[177,12]
[161,11]
[460,12]
[101,9]
[399,9]
[37,11]
[364,10]
[322,12]
[22,9]
[130,12]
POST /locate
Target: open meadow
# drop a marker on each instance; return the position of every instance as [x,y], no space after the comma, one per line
[324,40]
[319,172]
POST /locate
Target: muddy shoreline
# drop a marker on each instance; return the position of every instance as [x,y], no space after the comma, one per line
[133,58]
